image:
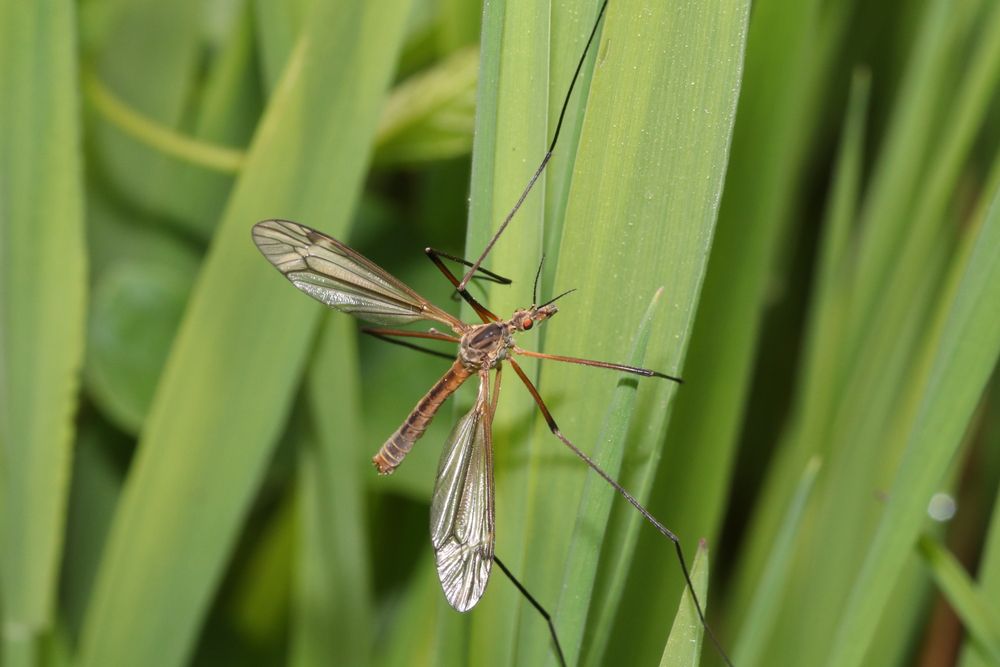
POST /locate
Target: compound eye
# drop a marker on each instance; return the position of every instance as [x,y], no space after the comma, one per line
[527,323]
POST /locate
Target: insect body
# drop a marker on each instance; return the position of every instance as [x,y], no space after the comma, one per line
[462,512]
[481,348]
[462,507]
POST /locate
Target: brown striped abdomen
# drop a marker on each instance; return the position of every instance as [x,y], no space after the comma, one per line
[401,442]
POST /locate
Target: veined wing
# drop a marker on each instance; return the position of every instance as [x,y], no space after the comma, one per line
[330,272]
[462,511]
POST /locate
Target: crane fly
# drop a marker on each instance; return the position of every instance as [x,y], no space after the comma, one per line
[462,526]
[462,522]
[462,507]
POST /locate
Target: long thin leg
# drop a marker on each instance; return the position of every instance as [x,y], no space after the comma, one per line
[388,334]
[663,530]
[484,314]
[645,372]
[538,607]
[545,159]
[487,275]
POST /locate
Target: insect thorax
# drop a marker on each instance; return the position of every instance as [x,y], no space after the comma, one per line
[485,346]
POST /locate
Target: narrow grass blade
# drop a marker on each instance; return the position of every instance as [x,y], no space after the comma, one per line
[965,345]
[988,579]
[820,369]
[763,610]
[512,133]
[979,614]
[42,307]
[905,610]
[684,644]
[820,375]
[95,492]
[640,216]
[570,27]
[896,181]
[277,27]
[580,565]
[236,362]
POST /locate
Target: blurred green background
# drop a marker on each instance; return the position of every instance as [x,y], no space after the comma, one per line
[185,439]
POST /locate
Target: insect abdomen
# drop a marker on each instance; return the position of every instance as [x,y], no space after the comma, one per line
[401,442]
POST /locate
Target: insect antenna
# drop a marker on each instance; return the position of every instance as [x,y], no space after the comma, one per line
[556,298]
[538,274]
[545,160]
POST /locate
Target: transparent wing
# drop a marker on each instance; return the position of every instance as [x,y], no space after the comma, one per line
[330,272]
[462,510]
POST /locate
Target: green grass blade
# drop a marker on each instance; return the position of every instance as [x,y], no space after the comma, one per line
[514,139]
[570,26]
[966,344]
[818,373]
[905,610]
[763,611]
[581,562]
[777,109]
[277,27]
[333,620]
[95,493]
[512,133]
[868,408]
[683,647]
[988,579]
[896,180]
[42,307]
[233,369]
[820,365]
[979,614]
[640,216]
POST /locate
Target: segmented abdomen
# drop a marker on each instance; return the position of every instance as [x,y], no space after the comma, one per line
[401,442]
